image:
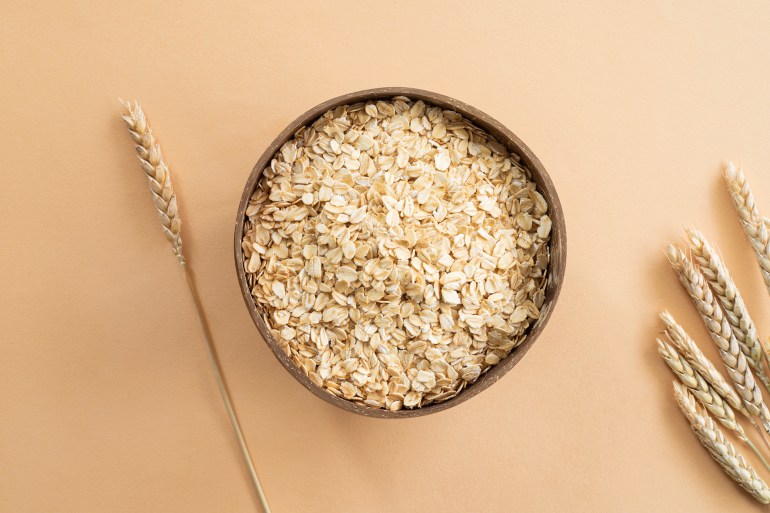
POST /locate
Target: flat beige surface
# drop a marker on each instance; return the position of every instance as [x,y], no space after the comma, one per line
[106,398]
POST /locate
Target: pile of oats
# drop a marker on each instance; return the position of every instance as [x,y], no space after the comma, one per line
[397,252]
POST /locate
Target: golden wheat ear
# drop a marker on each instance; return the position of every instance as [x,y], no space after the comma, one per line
[754,225]
[718,278]
[158,176]
[695,357]
[706,395]
[721,449]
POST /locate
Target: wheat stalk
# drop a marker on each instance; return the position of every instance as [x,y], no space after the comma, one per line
[702,365]
[721,449]
[721,333]
[723,286]
[151,160]
[705,394]
[755,226]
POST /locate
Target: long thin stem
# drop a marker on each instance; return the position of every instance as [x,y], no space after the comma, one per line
[763,435]
[756,451]
[759,454]
[223,391]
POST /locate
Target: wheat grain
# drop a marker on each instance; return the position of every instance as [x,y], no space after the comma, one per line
[721,449]
[721,333]
[723,286]
[151,159]
[754,225]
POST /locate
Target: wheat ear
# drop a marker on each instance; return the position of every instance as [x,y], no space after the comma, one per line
[158,177]
[705,394]
[754,225]
[721,449]
[702,365]
[721,333]
[702,391]
[151,160]
[723,286]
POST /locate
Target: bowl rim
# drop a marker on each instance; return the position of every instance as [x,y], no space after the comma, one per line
[557,244]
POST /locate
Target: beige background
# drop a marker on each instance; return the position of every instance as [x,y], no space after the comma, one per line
[107,401]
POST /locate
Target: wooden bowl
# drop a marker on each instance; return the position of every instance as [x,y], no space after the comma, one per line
[558,243]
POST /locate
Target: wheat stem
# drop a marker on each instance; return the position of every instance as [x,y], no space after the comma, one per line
[723,286]
[721,449]
[223,390]
[151,160]
[758,453]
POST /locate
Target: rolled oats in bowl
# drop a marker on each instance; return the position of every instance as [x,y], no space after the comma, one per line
[396,252]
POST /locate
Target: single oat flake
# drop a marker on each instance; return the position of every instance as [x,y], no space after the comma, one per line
[396,251]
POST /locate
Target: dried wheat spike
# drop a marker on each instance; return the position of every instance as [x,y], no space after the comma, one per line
[698,386]
[721,333]
[735,310]
[723,452]
[754,225]
[702,365]
[151,159]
